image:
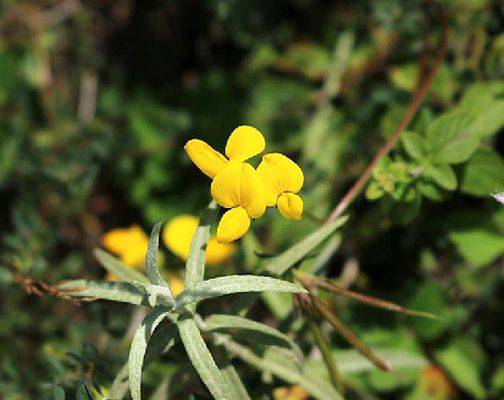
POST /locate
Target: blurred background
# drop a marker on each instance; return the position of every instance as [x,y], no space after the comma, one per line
[98,97]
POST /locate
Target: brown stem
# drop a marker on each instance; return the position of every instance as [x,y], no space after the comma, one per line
[406,119]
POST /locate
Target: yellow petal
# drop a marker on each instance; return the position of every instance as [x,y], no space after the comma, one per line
[115,240]
[176,285]
[233,225]
[218,253]
[208,160]
[178,234]
[290,393]
[130,244]
[244,142]
[239,185]
[290,205]
[279,174]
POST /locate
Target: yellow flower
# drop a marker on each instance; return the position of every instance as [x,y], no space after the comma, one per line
[290,393]
[282,179]
[176,284]
[178,234]
[236,184]
[130,244]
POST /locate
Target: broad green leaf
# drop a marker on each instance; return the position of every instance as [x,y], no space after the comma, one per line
[414,144]
[430,190]
[281,263]
[233,284]
[483,174]
[202,360]
[115,266]
[195,265]
[462,360]
[151,259]
[126,292]
[451,138]
[139,347]
[252,331]
[442,174]
[477,238]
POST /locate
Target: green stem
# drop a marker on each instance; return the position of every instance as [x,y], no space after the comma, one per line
[325,349]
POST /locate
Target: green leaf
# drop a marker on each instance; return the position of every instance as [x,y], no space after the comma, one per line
[139,347]
[233,284]
[415,145]
[202,360]
[483,174]
[442,174]
[477,238]
[281,263]
[429,190]
[57,392]
[234,381]
[116,267]
[151,260]
[274,360]
[253,331]
[195,265]
[83,391]
[451,139]
[462,360]
[126,292]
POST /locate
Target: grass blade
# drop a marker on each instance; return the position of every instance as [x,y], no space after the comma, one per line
[281,263]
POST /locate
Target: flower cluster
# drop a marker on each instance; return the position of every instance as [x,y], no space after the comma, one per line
[244,190]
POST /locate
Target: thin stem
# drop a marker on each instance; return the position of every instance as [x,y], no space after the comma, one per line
[347,334]
[323,344]
[415,104]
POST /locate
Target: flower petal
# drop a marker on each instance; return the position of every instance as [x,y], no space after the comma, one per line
[233,225]
[239,185]
[178,234]
[244,142]
[218,253]
[290,205]
[208,160]
[130,244]
[176,284]
[279,174]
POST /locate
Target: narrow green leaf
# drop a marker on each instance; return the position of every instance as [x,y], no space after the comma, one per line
[116,267]
[234,284]
[273,360]
[57,393]
[126,292]
[202,360]
[253,331]
[151,259]
[139,347]
[195,265]
[281,263]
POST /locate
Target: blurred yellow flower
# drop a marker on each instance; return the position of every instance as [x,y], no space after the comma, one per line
[290,393]
[129,244]
[282,179]
[236,184]
[176,284]
[178,234]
